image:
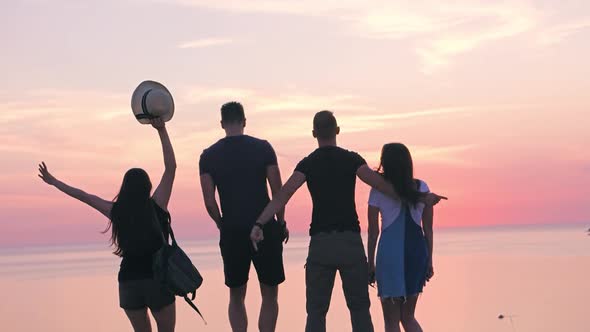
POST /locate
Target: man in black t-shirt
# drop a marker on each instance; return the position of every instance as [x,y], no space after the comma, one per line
[336,244]
[239,166]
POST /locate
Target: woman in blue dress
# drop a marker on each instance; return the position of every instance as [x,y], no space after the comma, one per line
[404,254]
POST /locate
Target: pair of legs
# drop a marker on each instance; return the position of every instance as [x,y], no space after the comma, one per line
[269,310]
[396,311]
[136,296]
[165,319]
[329,253]
[238,254]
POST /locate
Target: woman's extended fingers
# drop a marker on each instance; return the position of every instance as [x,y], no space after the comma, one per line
[433,199]
[43,168]
[44,174]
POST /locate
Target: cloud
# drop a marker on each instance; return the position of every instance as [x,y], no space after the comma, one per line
[437,32]
[62,105]
[206,42]
[440,33]
[556,34]
[62,123]
[299,7]
[359,122]
[261,101]
[200,94]
[453,155]
[354,112]
[298,102]
[355,123]
[296,109]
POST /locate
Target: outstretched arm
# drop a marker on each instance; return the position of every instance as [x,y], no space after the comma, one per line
[101,205]
[273,174]
[208,188]
[373,179]
[164,190]
[278,202]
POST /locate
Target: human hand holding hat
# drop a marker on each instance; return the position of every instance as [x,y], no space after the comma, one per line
[158,123]
[152,100]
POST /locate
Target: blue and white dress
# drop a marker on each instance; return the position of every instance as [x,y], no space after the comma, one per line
[402,253]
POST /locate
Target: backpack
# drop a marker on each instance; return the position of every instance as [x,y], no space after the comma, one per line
[173,268]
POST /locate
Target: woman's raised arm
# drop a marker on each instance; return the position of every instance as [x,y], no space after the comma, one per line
[101,205]
[164,190]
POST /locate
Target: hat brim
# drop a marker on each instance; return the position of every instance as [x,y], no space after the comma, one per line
[137,96]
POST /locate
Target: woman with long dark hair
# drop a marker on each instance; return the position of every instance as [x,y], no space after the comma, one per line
[404,257]
[136,221]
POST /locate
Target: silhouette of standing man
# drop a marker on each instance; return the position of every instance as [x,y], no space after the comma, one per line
[239,166]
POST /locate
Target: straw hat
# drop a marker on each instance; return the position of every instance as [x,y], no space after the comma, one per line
[152,100]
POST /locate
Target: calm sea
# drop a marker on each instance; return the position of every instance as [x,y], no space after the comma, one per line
[536,276]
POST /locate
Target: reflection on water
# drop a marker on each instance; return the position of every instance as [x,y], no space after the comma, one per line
[538,275]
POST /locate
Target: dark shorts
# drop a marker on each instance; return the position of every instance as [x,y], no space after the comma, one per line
[139,294]
[237,252]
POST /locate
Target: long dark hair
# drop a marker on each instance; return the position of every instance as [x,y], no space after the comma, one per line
[131,209]
[397,167]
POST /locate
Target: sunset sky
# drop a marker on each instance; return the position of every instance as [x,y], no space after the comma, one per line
[491,97]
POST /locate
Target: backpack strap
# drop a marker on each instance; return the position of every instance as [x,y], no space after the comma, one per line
[158,222]
[168,225]
[171,232]
[194,307]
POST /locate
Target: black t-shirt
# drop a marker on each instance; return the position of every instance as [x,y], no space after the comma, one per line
[238,166]
[140,240]
[330,173]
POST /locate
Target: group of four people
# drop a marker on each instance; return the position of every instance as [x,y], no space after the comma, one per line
[253,227]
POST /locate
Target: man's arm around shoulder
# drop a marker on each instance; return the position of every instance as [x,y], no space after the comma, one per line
[373,179]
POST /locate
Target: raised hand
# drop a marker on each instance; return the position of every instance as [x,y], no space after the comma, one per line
[158,123]
[45,175]
[256,235]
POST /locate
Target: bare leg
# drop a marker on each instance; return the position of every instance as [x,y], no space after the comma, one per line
[166,318]
[409,322]
[269,310]
[139,320]
[238,318]
[392,312]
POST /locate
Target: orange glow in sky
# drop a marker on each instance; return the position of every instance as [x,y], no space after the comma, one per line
[491,98]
